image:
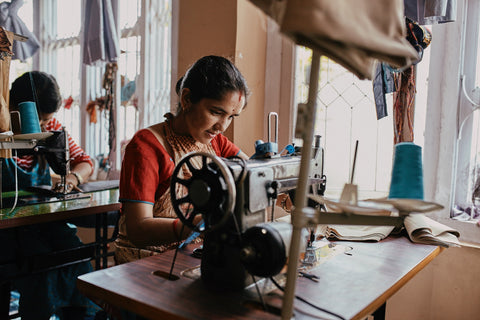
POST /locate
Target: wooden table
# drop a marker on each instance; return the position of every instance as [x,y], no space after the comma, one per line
[351,285]
[97,204]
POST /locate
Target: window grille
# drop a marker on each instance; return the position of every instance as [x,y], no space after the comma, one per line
[346,113]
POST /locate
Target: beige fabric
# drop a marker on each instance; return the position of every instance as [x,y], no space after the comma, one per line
[125,250]
[422,229]
[6,42]
[353,33]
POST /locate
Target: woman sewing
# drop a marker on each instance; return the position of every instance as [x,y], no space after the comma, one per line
[33,170]
[211,94]
[52,292]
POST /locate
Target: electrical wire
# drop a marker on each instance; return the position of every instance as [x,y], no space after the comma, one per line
[307,302]
[16,179]
[265,308]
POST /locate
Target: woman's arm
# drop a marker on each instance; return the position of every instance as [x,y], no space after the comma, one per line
[80,172]
[145,230]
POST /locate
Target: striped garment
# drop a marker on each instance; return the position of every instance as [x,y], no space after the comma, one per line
[77,154]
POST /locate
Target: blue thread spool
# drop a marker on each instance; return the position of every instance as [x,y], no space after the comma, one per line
[29,117]
[407,172]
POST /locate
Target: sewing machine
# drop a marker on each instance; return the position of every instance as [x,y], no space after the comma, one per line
[56,152]
[232,196]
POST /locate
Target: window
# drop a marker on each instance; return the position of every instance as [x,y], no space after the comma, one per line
[451,133]
[466,204]
[346,113]
[143,74]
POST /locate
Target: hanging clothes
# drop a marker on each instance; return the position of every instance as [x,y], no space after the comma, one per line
[353,33]
[431,11]
[9,19]
[404,105]
[100,43]
[383,83]
[6,43]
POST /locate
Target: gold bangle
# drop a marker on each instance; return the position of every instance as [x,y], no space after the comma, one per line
[78,176]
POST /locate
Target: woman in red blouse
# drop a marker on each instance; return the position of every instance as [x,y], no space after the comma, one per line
[212,93]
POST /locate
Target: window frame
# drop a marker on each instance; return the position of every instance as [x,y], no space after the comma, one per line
[154,33]
[453,59]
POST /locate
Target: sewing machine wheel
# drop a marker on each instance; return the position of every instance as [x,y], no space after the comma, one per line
[202,184]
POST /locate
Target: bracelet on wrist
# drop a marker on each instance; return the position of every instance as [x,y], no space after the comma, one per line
[77,176]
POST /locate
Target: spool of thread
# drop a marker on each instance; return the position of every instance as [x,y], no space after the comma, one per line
[29,117]
[407,172]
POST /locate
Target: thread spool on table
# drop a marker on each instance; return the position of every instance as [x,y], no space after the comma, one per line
[407,172]
[29,117]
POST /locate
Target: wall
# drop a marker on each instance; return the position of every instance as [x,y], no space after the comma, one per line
[447,288]
[234,29]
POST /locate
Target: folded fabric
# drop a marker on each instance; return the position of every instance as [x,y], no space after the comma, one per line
[422,229]
[354,233]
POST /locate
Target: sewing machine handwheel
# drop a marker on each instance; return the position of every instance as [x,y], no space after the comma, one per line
[209,191]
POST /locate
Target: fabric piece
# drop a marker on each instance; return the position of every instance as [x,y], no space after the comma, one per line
[355,233]
[418,36]
[35,176]
[100,40]
[6,42]
[22,50]
[145,177]
[422,229]
[127,91]
[383,83]
[353,33]
[404,105]
[431,11]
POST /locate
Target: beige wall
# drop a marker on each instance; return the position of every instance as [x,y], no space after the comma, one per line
[448,288]
[233,29]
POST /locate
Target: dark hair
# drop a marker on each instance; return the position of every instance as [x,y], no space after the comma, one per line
[47,93]
[212,77]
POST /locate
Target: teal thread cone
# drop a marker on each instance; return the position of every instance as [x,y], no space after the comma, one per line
[407,172]
[29,117]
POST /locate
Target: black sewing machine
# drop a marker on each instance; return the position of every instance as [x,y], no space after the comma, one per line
[232,196]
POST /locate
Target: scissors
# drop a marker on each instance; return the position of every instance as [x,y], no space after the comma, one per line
[308,276]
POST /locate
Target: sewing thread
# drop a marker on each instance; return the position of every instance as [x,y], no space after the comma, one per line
[407,172]
[29,117]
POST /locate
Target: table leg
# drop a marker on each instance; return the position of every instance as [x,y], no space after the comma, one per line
[379,314]
[98,241]
[5,300]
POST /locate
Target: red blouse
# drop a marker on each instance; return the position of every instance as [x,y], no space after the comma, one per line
[147,167]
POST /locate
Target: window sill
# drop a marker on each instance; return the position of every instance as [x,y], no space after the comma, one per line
[469,230]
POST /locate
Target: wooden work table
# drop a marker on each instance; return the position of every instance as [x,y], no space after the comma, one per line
[90,203]
[353,284]
[92,208]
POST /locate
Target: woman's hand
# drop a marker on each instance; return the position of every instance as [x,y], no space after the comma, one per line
[78,174]
[71,184]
